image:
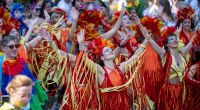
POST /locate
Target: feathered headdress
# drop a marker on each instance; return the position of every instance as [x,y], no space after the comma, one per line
[9,25]
[96,46]
[165,34]
[185,13]
[152,24]
[90,21]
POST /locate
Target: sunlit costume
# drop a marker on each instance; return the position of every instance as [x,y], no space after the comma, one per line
[85,93]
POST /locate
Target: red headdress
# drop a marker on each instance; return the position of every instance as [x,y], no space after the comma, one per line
[9,25]
[59,10]
[185,13]
[165,33]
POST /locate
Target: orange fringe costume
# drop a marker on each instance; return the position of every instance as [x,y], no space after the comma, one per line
[151,77]
[84,92]
[117,100]
[192,101]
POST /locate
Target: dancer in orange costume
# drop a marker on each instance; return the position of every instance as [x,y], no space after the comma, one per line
[112,80]
[171,94]
[151,77]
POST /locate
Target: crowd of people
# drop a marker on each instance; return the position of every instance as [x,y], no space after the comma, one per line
[100,54]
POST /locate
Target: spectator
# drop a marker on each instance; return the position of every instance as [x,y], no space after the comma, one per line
[20,91]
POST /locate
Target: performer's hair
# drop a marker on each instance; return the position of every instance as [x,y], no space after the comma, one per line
[43,7]
[166,8]
[19,81]
[6,39]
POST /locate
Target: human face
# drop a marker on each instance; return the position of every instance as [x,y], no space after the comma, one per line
[11,49]
[107,53]
[18,14]
[36,10]
[172,41]
[126,21]
[14,32]
[20,96]
[55,17]
[186,24]
[48,7]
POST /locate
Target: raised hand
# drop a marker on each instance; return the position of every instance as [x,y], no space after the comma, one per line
[44,34]
[81,36]
[179,29]
[136,19]
[74,13]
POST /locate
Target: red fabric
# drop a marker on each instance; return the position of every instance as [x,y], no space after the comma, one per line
[184,38]
[170,97]
[192,100]
[13,68]
[114,100]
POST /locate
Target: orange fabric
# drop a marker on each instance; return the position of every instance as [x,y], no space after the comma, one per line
[170,97]
[115,78]
[151,71]
[114,100]
[23,53]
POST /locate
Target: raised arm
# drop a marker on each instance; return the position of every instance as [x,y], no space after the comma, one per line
[123,40]
[161,51]
[138,52]
[28,34]
[188,47]
[43,34]
[116,27]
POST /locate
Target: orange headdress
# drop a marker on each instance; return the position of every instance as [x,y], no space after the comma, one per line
[152,24]
[96,46]
[185,13]
[90,21]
